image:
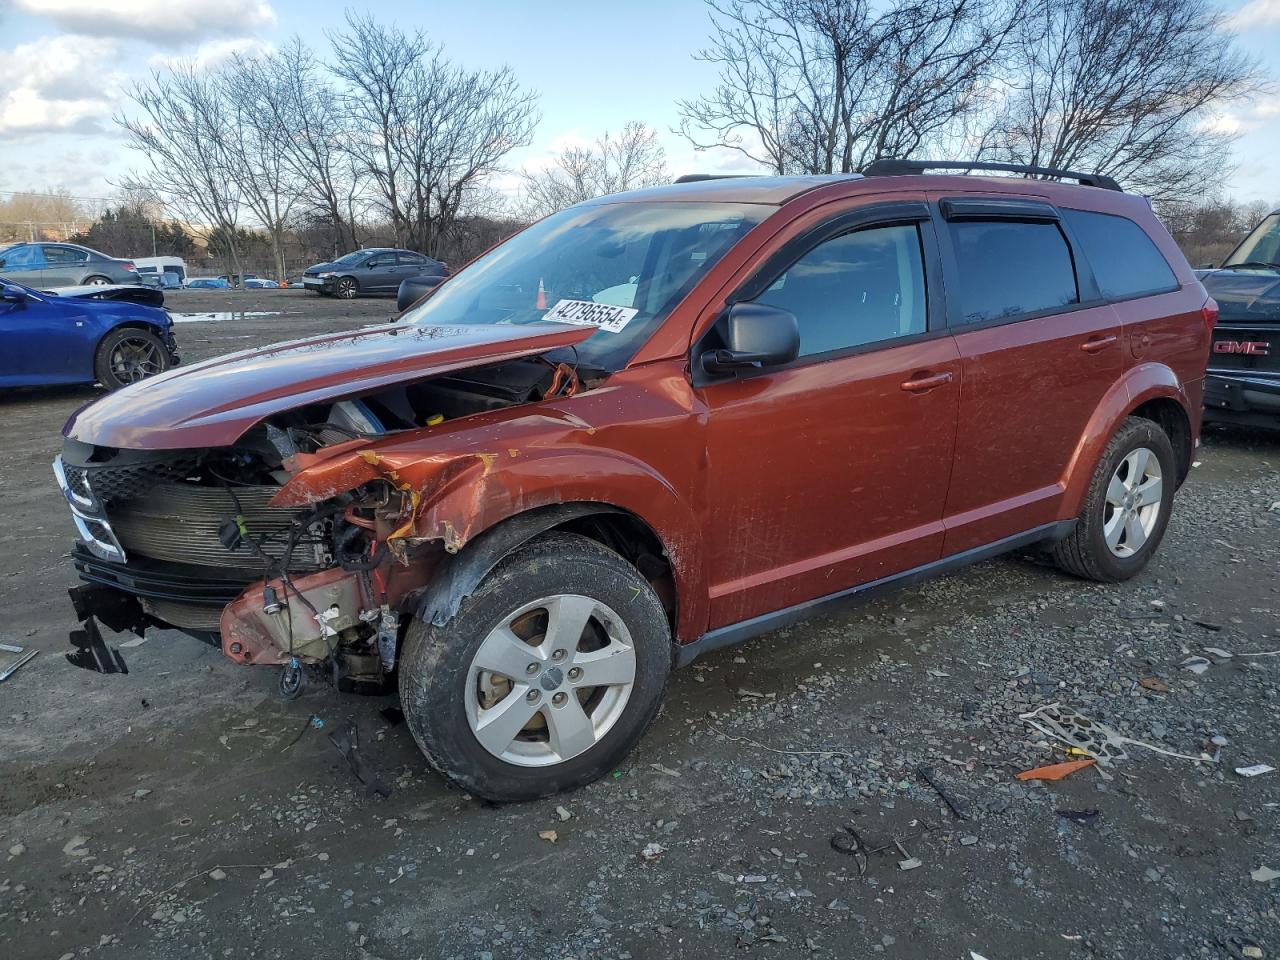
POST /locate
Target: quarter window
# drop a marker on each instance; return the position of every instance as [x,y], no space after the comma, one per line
[855,289]
[1124,260]
[1007,269]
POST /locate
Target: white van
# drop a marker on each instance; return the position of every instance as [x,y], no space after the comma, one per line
[170,272]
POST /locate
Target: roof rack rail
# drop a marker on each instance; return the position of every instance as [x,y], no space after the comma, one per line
[892,167]
[699,177]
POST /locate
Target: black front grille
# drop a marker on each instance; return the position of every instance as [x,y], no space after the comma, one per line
[115,483]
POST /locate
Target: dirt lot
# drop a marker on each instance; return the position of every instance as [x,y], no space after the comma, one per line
[182,811]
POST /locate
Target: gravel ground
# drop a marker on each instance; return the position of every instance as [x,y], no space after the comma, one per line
[776,808]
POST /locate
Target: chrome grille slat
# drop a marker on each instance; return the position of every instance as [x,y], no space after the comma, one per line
[179,522]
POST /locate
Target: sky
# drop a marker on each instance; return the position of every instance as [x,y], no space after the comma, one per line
[64,66]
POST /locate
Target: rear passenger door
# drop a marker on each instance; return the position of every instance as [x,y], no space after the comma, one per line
[1039,348]
[832,471]
[65,265]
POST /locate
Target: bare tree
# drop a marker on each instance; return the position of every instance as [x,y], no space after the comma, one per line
[261,150]
[1123,87]
[303,102]
[427,132]
[826,86]
[632,159]
[183,128]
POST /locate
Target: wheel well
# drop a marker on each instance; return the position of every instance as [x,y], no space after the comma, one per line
[1172,419]
[634,540]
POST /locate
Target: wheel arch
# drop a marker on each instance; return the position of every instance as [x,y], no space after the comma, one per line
[620,530]
[1151,391]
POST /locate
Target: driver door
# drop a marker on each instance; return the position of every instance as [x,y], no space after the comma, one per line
[24,264]
[832,471]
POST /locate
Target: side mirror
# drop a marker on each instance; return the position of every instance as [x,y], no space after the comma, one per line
[755,333]
[12,294]
[414,289]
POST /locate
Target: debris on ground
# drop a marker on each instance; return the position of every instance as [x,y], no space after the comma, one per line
[927,775]
[1096,739]
[548,835]
[1264,874]
[347,742]
[1153,683]
[24,656]
[652,851]
[1056,771]
[1080,816]
[1257,770]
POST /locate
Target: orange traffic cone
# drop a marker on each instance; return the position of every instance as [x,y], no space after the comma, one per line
[541,302]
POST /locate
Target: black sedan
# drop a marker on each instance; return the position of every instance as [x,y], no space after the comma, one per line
[378,270]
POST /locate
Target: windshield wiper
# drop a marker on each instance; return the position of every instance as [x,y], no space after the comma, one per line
[1252,265]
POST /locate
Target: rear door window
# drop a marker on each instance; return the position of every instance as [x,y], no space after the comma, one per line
[63,255]
[1125,261]
[1007,269]
[855,289]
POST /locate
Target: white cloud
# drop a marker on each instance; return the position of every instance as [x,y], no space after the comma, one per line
[1256,13]
[163,22]
[215,53]
[58,84]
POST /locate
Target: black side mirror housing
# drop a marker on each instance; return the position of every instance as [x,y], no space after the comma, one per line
[12,294]
[414,289]
[754,333]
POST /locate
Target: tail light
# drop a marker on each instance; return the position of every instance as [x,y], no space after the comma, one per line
[1209,313]
[128,265]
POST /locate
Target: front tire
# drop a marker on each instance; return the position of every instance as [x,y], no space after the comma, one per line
[346,288]
[127,355]
[1126,508]
[546,677]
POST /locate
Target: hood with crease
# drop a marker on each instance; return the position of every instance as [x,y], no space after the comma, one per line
[213,403]
[1249,294]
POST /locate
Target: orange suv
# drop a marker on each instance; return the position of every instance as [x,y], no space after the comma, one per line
[647,427]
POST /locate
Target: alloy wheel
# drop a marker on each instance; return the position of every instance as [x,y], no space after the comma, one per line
[347,288]
[136,358]
[97,282]
[1134,500]
[550,680]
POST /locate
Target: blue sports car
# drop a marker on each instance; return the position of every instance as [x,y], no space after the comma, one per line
[114,335]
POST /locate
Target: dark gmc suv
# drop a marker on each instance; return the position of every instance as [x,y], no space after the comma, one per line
[644,428]
[1243,385]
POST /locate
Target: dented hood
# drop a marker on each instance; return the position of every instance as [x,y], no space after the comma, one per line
[212,404]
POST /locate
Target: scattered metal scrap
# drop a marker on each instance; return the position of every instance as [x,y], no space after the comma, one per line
[1056,771]
[24,655]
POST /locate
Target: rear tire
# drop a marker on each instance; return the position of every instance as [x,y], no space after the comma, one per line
[1126,508]
[454,693]
[97,282]
[127,355]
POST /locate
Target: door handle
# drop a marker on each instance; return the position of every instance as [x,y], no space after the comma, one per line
[926,382]
[1096,344]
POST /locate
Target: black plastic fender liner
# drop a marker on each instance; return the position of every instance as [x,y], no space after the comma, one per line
[119,611]
[460,573]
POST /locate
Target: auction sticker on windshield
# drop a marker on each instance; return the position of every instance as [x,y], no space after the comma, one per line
[587,313]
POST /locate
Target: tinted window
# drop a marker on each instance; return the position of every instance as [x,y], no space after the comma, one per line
[57,255]
[1007,269]
[413,258]
[1125,261]
[855,289]
[26,256]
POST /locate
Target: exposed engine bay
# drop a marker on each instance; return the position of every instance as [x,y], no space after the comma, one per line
[190,539]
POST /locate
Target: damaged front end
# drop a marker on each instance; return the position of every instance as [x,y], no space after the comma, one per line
[197,539]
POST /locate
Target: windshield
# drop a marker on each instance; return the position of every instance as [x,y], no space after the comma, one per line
[620,267]
[1261,246]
